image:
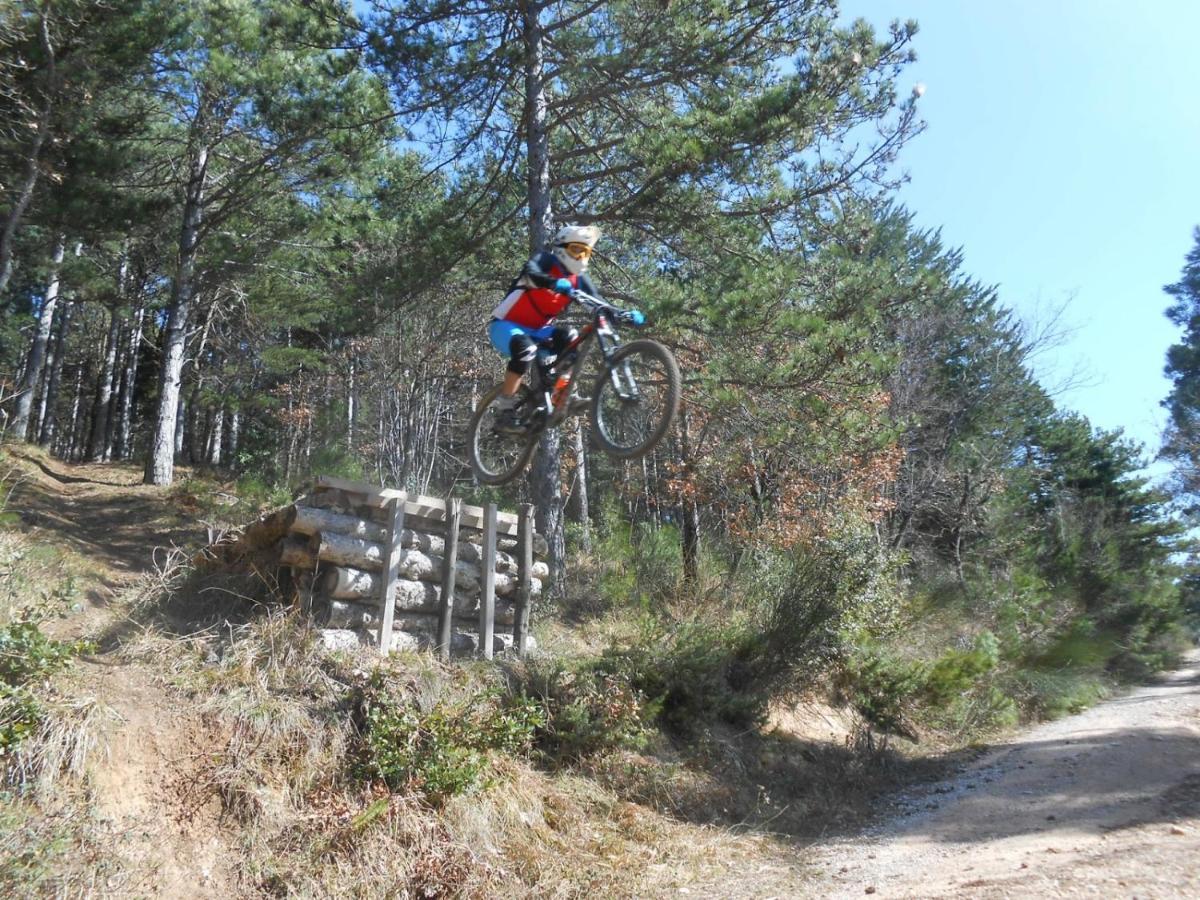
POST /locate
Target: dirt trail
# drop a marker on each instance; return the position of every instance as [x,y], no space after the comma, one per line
[152,789]
[1103,804]
[102,510]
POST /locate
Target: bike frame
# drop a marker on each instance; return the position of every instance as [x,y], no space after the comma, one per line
[554,402]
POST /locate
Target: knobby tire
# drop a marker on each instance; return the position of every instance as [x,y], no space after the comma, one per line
[666,382]
[480,431]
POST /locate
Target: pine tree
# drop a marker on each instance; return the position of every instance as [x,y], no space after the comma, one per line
[657,121]
[1181,444]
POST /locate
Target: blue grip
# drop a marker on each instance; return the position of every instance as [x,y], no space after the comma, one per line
[563,286]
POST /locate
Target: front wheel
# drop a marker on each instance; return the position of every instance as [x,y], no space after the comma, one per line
[636,399]
[497,457]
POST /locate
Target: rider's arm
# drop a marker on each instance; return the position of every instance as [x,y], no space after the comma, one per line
[585,285]
[536,274]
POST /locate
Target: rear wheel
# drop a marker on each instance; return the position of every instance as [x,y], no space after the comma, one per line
[636,399]
[498,457]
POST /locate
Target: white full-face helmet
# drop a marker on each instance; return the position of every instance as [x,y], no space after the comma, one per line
[573,246]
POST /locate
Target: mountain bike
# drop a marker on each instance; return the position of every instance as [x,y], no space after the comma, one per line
[633,403]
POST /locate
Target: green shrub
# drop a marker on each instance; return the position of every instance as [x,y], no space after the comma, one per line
[442,751]
[256,492]
[881,687]
[586,711]
[958,671]
[1052,694]
[26,657]
[810,603]
[694,673]
[640,565]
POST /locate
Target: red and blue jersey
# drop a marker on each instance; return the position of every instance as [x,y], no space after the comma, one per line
[532,302]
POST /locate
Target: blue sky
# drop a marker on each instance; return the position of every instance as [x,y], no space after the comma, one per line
[1063,155]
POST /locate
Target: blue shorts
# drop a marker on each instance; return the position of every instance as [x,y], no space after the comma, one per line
[501,334]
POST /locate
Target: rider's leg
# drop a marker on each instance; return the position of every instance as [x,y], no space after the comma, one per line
[512,381]
[512,341]
[561,337]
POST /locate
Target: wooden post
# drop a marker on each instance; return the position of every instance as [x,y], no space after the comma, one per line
[487,583]
[449,559]
[524,582]
[391,570]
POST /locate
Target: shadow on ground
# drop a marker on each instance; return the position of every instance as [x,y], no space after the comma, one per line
[125,527]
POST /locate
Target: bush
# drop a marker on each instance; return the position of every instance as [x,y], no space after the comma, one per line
[810,603]
[442,751]
[26,657]
[585,712]
[1048,694]
[640,564]
[958,671]
[881,687]
[694,673]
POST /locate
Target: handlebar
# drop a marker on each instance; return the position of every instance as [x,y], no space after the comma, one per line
[595,304]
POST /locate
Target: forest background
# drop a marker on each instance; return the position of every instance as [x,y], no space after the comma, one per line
[263,239]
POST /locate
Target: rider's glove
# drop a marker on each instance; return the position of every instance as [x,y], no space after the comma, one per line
[635,317]
[563,286]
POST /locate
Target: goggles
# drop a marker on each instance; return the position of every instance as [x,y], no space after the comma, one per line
[578,251]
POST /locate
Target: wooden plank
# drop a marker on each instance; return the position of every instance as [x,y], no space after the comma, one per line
[449,572]
[487,588]
[391,570]
[524,580]
[420,505]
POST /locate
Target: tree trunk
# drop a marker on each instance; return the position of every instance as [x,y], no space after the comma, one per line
[689,525]
[39,417]
[72,447]
[129,385]
[216,435]
[351,402]
[193,437]
[235,427]
[180,421]
[581,512]
[41,338]
[160,467]
[48,418]
[29,175]
[23,196]
[98,448]
[545,477]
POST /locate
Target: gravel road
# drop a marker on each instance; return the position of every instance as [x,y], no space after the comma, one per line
[1102,804]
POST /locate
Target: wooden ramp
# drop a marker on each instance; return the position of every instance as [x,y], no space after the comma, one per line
[403,571]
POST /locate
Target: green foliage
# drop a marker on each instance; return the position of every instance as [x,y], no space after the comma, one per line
[893,692]
[810,601]
[586,710]
[441,751]
[1182,440]
[27,656]
[693,673]
[639,561]
[881,687]
[254,489]
[957,671]
[1054,693]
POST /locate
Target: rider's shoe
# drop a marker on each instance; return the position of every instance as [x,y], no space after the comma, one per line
[577,404]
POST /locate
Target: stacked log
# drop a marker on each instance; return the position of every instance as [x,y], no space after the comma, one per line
[338,544]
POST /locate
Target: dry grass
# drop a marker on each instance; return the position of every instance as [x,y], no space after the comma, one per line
[72,736]
[274,777]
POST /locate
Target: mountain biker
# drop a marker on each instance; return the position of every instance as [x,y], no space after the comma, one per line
[525,317]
